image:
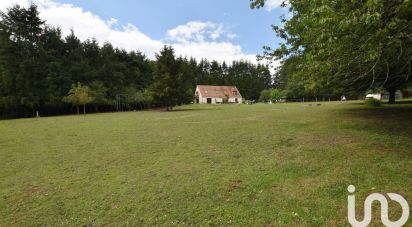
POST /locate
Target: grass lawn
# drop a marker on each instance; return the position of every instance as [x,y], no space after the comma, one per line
[276,165]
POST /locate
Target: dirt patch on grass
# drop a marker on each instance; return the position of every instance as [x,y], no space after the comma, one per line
[233,185]
[33,190]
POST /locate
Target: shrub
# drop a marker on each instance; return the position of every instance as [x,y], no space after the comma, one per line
[373,102]
[265,95]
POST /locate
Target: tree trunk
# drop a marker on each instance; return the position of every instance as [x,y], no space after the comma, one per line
[84,108]
[392,96]
[78,112]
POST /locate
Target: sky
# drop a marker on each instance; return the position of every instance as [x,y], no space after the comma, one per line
[222,30]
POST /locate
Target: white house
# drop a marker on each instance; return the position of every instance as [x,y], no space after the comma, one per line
[374,96]
[217,94]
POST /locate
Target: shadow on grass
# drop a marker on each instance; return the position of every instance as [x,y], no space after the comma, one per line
[385,102]
[392,118]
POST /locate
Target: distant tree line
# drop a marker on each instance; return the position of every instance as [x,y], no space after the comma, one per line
[40,70]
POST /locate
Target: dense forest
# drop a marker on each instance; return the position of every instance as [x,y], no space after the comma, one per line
[40,70]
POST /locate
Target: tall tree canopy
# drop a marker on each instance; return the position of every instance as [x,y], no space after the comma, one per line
[165,76]
[356,45]
[38,67]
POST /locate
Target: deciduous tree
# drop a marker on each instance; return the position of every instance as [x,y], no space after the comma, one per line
[356,45]
[79,95]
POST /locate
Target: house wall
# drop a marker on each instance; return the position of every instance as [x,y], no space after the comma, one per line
[203,100]
[199,96]
[233,100]
[375,96]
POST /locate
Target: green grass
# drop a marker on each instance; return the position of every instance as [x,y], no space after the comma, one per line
[276,165]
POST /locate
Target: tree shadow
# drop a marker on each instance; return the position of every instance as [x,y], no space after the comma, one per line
[385,102]
[395,118]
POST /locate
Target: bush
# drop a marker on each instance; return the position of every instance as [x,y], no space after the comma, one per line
[373,102]
[265,95]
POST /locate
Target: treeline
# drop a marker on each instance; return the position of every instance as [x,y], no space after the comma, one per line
[39,67]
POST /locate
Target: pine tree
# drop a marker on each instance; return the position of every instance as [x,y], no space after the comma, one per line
[165,87]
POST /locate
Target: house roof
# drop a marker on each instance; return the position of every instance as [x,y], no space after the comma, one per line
[218,91]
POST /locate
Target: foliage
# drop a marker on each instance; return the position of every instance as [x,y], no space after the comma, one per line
[265,95]
[277,95]
[165,75]
[99,92]
[38,67]
[373,102]
[273,95]
[350,45]
[78,95]
[407,91]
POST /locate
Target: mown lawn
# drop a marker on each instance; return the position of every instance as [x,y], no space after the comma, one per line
[264,165]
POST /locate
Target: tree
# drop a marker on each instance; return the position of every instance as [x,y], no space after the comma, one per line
[185,81]
[355,45]
[21,30]
[165,76]
[79,95]
[265,95]
[144,99]
[38,66]
[250,79]
[407,91]
[277,95]
[216,73]
[99,93]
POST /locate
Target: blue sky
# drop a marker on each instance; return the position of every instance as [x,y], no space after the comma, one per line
[214,29]
[156,17]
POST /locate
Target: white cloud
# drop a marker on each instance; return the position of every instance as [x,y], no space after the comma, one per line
[220,51]
[217,32]
[87,25]
[112,22]
[195,31]
[273,4]
[231,36]
[206,40]
[194,39]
